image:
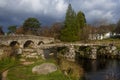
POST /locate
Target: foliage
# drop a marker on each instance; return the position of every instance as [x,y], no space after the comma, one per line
[85,33]
[80,24]
[45,31]
[55,30]
[7,63]
[31,25]
[72,70]
[52,31]
[12,29]
[106,28]
[68,35]
[117,30]
[19,30]
[70,17]
[68,32]
[73,25]
[80,20]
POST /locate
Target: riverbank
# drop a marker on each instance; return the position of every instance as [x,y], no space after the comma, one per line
[67,70]
[24,72]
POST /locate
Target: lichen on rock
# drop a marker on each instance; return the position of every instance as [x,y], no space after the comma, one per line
[44,68]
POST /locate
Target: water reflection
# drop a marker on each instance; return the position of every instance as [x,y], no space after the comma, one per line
[93,65]
[101,69]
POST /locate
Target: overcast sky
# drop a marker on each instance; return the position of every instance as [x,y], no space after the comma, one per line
[14,12]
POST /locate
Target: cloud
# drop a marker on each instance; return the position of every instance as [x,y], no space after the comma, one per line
[42,7]
[49,11]
[97,9]
[15,12]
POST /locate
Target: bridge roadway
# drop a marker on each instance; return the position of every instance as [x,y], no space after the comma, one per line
[43,46]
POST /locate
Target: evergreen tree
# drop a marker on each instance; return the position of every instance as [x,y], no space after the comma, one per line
[73,27]
[80,24]
[70,17]
[68,33]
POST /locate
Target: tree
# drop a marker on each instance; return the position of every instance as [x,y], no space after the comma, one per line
[1,31]
[12,29]
[80,20]
[73,26]
[70,17]
[20,30]
[106,28]
[117,30]
[31,25]
[55,30]
[45,31]
[68,33]
[80,24]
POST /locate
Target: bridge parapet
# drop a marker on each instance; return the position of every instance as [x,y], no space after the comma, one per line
[24,37]
[21,39]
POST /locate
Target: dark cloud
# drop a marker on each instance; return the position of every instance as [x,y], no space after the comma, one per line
[49,11]
[15,12]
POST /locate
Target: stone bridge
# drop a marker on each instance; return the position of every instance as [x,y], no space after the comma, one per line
[90,51]
[23,39]
[44,43]
[68,45]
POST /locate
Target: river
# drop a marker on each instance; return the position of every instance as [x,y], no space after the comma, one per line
[100,69]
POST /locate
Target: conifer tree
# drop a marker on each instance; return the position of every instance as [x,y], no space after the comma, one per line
[68,32]
[80,24]
[73,26]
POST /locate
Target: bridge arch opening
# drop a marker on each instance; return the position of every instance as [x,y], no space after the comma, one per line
[29,44]
[14,43]
[41,42]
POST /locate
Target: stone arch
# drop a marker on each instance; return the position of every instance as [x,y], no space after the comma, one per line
[41,42]
[14,43]
[28,43]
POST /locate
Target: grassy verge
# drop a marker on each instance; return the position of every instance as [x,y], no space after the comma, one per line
[7,63]
[23,72]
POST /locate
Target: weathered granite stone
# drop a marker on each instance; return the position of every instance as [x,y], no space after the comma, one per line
[30,53]
[18,51]
[44,68]
[1,52]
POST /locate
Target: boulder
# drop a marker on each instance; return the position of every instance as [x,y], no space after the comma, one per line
[1,52]
[19,51]
[44,68]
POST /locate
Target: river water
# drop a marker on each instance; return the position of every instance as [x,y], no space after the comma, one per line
[100,69]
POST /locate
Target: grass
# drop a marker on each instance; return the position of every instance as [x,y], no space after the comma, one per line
[7,63]
[23,72]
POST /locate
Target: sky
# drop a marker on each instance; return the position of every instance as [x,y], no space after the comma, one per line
[15,12]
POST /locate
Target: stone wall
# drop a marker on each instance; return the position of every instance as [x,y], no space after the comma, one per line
[94,52]
[33,53]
